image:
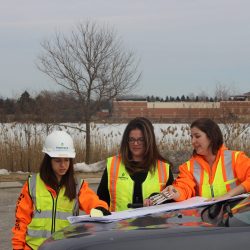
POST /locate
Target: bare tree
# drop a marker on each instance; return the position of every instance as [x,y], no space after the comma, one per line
[92,64]
[223,92]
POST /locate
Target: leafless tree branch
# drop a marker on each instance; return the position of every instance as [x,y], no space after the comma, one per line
[92,64]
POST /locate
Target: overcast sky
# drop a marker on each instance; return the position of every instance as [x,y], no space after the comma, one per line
[185,46]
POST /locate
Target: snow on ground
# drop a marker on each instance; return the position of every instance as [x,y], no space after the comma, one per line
[95,167]
[108,134]
[79,167]
[4,172]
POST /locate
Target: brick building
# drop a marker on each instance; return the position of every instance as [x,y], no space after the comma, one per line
[123,110]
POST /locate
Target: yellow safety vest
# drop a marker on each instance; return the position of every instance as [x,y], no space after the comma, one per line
[224,179]
[121,186]
[49,213]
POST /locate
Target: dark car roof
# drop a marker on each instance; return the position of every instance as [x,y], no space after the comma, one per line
[224,225]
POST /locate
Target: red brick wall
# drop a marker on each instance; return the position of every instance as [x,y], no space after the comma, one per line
[125,110]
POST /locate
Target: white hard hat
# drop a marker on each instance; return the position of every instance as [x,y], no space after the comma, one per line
[59,144]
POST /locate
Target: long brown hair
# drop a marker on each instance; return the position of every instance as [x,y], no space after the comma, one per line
[151,154]
[49,178]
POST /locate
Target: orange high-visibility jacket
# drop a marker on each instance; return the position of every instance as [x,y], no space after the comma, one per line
[24,209]
[189,184]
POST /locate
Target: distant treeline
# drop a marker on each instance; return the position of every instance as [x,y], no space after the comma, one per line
[45,107]
[182,98]
[61,106]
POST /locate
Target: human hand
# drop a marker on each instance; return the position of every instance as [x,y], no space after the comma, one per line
[148,202]
[168,193]
[99,212]
[96,213]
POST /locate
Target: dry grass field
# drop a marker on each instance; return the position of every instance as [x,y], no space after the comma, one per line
[23,177]
[21,144]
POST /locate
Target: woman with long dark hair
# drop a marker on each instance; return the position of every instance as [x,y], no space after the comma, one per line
[49,197]
[138,171]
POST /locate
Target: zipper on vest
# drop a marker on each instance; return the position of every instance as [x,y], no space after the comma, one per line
[212,190]
[54,210]
[53,214]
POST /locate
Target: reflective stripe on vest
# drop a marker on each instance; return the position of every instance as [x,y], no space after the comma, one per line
[49,214]
[121,185]
[113,168]
[224,179]
[162,174]
[79,183]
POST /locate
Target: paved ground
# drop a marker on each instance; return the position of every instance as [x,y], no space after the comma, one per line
[8,197]
[9,192]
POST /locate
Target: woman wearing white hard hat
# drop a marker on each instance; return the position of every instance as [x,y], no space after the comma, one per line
[50,196]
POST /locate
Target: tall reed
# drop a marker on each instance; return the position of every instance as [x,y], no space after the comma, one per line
[21,144]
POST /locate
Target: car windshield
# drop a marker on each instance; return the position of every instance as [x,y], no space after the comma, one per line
[228,213]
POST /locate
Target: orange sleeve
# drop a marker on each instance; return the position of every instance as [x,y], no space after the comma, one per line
[185,183]
[88,199]
[242,170]
[24,210]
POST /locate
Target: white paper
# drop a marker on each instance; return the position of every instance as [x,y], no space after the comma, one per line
[137,212]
